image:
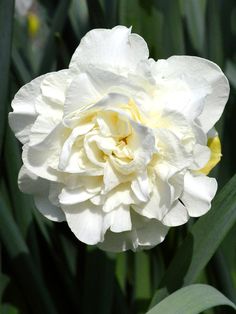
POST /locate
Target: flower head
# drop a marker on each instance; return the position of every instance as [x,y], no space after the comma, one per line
[118,144]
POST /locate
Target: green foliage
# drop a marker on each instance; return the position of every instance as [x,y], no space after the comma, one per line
[43,267]
[192,300]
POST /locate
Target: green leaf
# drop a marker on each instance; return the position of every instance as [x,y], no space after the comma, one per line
[8,309]
[191,300]
[6,19]
[142,284]
[214,33]
[173,37]
[202,241]
[99,275]
[96,14]
[26,273]
[12,164]
[4,281]
[142,16]
[195,17]
[19,67]
[231,73]
[58,22]
[79,17]
[121,270]
[220,270]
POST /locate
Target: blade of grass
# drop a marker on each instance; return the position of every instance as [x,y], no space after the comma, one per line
[6,21]
[192,299]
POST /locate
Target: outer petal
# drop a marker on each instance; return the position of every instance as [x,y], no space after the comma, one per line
[85,221]
[205,70]
[118,220]
[116,49]
[176,216]
[145,234]
[24,114]
[198,192]
[32,184]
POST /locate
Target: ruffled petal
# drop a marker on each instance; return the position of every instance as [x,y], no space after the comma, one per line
[119,219]
[145,234]
[116,49]
[40,188]
[199,190]
[211,99]
[176,216]
[85,221]
[24,111]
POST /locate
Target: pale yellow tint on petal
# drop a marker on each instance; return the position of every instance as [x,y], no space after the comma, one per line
[215,147]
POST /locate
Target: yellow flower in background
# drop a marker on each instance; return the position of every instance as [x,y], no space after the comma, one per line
[118,145]
[33,23]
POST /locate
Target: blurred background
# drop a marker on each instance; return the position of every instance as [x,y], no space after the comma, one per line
[44,269]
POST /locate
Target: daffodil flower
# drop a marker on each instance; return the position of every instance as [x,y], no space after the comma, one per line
[119,145]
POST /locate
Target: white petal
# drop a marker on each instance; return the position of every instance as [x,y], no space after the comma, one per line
[201,155]
[171,150]
[140,187]
[32,184]
[118,220]
[74,196]
[176,216]
[149,234]
[85,221]
[24,113]
[112,178]
[47,209]
[54,87]
[67,146]
[145,234]
[216,96]
[158,203]
[38,162]
[81,93]
[116,242]
[142,143]
[45,131]
[199,190]
[114,48]
[122,194]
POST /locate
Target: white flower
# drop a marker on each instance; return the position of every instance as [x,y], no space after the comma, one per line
[115,144]
[23,6]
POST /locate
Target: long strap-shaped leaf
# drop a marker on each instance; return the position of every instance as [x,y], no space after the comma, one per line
[58,22]
[26,272]
[191,300]
[6,18]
